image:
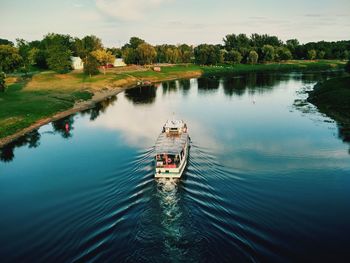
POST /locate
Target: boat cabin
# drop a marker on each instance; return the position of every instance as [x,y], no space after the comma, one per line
[175,127]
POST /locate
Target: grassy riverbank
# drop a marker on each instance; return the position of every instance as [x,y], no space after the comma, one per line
[29,100]
[332,97]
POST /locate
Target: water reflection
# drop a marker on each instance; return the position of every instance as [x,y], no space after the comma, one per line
[208,84]
[185,86]
[64,127]
[100,108]
[169,86]
[141,95]
[32,139]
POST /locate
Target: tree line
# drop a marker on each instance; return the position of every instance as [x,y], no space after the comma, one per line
[54,52]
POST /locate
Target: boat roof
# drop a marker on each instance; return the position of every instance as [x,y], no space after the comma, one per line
[170,144]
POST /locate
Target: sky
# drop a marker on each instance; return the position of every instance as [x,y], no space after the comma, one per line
[175,21]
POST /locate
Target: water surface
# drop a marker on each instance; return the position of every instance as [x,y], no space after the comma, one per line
[268,179]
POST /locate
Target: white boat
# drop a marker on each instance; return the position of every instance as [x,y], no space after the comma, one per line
[172,150]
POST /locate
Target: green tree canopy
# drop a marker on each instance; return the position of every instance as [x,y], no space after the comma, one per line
[5,42]
[117,52]
[186,53]
[233,56]
[146,53]
[91,66]
[129,55]
[233,41]
[283,53]
[2,82]
[135,42]
[59,59]
[252,57]
[10,59]
[208,54]
[268,52]
[24,49]
[311,54]
[83,47]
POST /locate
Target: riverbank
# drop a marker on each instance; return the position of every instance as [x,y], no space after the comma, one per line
[32,102]
[332,98]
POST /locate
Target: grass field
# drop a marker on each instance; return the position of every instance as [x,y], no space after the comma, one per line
[28,100]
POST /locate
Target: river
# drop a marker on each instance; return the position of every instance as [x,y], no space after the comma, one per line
[268,179]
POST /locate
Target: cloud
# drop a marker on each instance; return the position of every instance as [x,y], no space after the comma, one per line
[127,9]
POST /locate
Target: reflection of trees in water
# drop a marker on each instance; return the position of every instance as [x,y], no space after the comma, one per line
[210,84]
[100,108]
[64,126]
[344,132]
[251,83]
[169,86]
[141,95]
[185,85]
[31,139]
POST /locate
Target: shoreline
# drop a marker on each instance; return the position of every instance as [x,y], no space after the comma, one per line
[84,105]
[106,85]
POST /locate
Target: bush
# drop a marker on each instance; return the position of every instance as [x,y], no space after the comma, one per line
[2,82]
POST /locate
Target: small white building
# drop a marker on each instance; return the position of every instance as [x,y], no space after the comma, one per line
[77,63]
[119,62]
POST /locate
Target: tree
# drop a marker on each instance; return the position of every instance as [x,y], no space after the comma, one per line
[186,53]
[2,82]
[347,67]
[91,66]
[103,57]
[83,47]
[311,54]
[23,49]
[53,40]
[208,54]
[5,42]
[146,54]
[268,52]
[59,59]
[135,42]
[253,57]
[236,41]
[129,55]
[292,45]
[258,41]
[117,52]
[10,59]
[39,58]
[172,55]
[233,56]
[283,53]
[321,54]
